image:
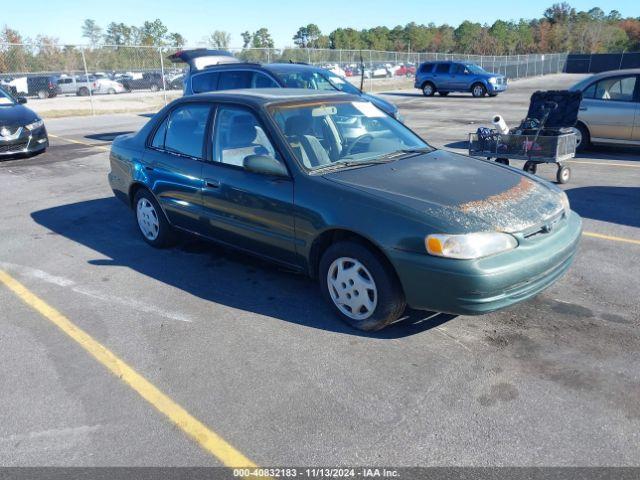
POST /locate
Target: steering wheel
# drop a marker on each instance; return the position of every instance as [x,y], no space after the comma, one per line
[355,142]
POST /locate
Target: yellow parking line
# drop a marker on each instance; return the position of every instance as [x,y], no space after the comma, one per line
[612,238]
[206,438]
[86,144]
[608,164]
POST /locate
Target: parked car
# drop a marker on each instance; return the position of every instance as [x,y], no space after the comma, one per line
[22,131]
[447,77]
[254,75]
[42,86]
[609,109]
[147,81]
[381,219]
[107,86]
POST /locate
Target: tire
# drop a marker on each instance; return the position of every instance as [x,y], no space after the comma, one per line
[111,91]
[154,88]
[151,221]
[83,91]
[530,167]
[502,161]
[493,95]
[583,140]
[563,175]
[443,94]
[478,90]
[368,277]
[42,94]
[428,89]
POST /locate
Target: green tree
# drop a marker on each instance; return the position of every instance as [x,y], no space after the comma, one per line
[468,37]
[153,33]
[262,39]
[118,34]
[246,39]
[220,39]
[308,37]
[92,32]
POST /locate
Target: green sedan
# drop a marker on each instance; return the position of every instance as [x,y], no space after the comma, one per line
[329,185]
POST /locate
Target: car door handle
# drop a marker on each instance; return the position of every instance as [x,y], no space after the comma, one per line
[211,183]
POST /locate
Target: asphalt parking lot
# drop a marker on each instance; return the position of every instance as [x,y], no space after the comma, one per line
[253,353]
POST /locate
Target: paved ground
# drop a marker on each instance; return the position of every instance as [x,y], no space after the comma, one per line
[254,354]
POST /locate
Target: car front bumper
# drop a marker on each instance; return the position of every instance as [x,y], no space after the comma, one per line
[497,88]
[475,287]
[27,142]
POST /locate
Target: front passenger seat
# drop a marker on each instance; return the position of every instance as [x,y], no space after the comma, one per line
[301,138]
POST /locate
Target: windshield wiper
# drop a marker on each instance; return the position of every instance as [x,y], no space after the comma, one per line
[405,152]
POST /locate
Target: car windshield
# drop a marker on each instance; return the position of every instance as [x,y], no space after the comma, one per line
[338,134]
[6,98]
[315,80]
[475,68]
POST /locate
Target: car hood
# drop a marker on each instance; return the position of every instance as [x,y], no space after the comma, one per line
[460,193]
[386,107]
[16,116]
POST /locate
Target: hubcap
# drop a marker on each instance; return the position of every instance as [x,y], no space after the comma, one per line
[477,91]
[352,288]
[428,90]
[147,219]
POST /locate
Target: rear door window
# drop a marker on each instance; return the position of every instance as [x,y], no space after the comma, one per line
[230,80]
[442,68]
[205,82]
[185,130]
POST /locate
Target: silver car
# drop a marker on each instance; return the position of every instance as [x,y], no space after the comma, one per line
[609,112]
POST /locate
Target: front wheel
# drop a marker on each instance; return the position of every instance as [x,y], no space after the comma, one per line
[360,287]
[152,223]
[428,89]
[563,175]
[478,90]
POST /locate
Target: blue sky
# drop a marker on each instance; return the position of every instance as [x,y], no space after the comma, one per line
[195,19]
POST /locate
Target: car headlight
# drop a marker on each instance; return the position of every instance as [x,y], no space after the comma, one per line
[565,202]
[37,124]
[470,245]
[493,80]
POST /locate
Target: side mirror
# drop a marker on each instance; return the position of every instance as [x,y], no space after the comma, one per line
[265,165]
[22,100]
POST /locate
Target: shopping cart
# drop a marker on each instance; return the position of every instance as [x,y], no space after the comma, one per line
[545,136]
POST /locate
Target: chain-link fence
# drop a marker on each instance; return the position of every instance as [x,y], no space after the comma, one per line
[75,79]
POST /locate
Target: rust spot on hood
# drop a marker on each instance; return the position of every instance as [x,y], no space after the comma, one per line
[513,195]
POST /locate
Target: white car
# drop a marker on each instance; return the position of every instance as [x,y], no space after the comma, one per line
[105,85]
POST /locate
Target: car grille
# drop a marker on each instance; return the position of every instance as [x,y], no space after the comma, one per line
[10,132]
[14,147]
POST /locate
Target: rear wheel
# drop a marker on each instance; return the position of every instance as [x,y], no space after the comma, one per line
[478,90]
[152,223]
[111,91]
[42,94]
[154,88]
[83,91]
[530,167]
[503,161]
[428,89]
[361,288]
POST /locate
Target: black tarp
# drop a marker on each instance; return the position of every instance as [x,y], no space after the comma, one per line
[601,62]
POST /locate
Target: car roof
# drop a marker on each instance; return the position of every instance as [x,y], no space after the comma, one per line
[270,67]
[268,96]
[615,73]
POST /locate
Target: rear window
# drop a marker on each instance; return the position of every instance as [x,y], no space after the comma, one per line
[443,68]
[205,82]
[426,67]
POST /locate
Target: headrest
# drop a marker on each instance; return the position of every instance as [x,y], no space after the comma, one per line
[243,131]
[297,125]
